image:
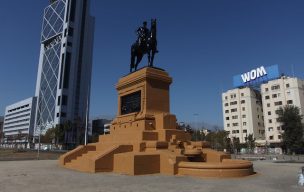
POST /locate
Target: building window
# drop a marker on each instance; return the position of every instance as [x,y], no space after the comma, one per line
[226,104]
[63,114]
[243,101]
[270,137]
[64,100]
[269,112]
[226,111]
[233,103]
[275,87]
[266,89]
[65,32]
[58,100]
[234,110]
[243,116]
[279,128]
[235,131]
[227,118]
[234,117]
[277,103]
[270,128]
[233,96]
[228,125]
[269,120]
[243,108]
[226,97]
[277,111]
[267,97]
[67,71]
[279,136]
[274,96]
[242,94]
[57,115]
[245,131]
[71,31]
[289,102]
[268,104]
[287,85]
[235,124]
[244,123]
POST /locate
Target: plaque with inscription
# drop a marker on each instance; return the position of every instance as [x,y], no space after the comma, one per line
[130,103]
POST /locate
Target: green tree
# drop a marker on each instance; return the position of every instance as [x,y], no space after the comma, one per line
[250,142]
[218,140]
[292,126]
[236,146]
[1,136]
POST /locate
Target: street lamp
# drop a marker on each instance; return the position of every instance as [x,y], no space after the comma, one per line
[196,124]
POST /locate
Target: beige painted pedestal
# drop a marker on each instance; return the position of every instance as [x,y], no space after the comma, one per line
[144,138]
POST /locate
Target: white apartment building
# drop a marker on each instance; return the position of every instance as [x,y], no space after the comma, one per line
[243,113]
[20,117]
[278,93]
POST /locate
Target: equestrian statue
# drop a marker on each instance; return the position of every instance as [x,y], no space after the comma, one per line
[146,43]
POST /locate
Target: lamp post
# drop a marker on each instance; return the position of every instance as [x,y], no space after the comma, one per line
[87,114]
[196,124]
[38,151]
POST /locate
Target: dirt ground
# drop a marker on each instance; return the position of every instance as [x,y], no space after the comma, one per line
[15,155]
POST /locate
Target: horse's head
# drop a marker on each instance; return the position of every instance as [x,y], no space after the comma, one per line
[153,28]
[153,23]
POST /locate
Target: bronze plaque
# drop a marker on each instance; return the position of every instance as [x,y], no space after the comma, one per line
[130,103]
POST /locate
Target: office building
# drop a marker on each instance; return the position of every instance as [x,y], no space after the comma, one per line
[65,64]
[243,113]
[20,118]
[276,94]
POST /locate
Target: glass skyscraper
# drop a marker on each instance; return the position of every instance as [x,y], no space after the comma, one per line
[65,65]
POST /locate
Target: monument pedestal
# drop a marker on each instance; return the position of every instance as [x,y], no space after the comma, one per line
[144,137]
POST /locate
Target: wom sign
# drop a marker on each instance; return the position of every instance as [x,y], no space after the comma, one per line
[256,76]
[253,74]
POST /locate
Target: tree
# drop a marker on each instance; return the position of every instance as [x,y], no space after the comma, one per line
[1,136]
[218,140]
[49,136]
[250,142]
[236,146]
[292,126]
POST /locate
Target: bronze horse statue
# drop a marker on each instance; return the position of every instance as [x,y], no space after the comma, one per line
[148,46]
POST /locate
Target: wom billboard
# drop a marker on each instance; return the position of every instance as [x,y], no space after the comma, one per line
[256,76]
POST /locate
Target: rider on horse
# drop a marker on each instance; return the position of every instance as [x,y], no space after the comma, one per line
[143,34]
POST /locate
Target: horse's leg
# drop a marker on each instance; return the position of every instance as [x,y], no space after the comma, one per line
[138,59]
[132,58]
[152,58]
[149,58]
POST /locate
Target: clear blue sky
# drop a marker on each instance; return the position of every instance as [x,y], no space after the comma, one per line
[202,44]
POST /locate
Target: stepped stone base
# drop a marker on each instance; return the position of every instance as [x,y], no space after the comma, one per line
[144,137]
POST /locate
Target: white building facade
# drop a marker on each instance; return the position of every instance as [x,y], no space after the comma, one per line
[276,94]
[65,65]
[20,118]
[243,114]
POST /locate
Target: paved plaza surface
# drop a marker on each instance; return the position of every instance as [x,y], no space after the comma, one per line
[46,175]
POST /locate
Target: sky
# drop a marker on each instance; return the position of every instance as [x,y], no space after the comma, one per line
[202,44]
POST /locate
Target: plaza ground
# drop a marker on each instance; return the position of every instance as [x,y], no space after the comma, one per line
[20,154]
[46,175]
